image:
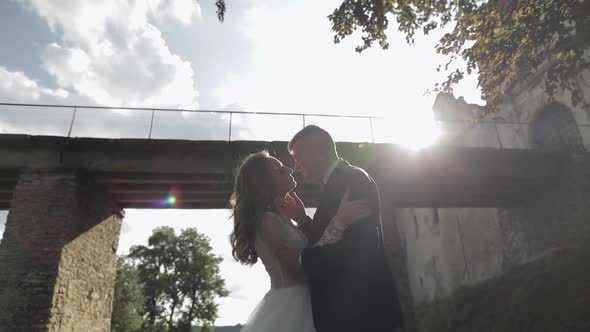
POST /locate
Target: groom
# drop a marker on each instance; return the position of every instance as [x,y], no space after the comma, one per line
[351,286]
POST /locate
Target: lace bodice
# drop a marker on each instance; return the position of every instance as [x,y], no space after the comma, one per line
[278,244]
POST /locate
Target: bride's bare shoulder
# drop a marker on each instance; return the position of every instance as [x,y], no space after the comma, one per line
[269,219]
[270,216]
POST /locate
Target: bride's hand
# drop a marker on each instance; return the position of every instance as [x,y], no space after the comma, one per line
[350,212]
[291,206]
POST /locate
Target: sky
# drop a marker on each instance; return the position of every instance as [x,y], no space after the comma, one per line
[267,56]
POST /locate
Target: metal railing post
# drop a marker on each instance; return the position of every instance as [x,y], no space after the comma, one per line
[151,125]
[230,124]
[72,121]
[303,115]
[372,134]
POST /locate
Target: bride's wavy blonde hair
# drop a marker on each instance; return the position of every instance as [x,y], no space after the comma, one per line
[251,197]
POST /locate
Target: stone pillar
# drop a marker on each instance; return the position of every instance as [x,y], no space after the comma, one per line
[58,255]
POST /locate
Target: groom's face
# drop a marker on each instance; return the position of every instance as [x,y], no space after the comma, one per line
[307,161]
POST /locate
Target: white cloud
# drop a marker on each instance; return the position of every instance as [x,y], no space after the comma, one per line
[182,10]
[15,86]
[111,52]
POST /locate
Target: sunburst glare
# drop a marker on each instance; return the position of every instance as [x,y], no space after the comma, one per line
[416,131]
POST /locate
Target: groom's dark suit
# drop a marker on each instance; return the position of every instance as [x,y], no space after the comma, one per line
[352,288]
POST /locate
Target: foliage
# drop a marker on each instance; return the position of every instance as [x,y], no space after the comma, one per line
[506,41]
[180,278]
[235,328]
[220,4]
[128,299]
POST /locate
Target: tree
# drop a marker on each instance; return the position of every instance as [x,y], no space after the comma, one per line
[128,300]
[153,263]
[506,41]
[180,277]
[200,281]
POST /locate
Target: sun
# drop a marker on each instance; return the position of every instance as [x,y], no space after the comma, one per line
[416,135]
[411,131]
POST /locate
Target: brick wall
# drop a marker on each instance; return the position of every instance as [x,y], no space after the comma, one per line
[58,255]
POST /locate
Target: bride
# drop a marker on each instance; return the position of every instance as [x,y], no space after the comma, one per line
[260,231]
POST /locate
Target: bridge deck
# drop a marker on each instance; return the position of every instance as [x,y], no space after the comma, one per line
[140,173]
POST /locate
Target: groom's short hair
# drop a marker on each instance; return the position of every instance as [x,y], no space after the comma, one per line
[320,136]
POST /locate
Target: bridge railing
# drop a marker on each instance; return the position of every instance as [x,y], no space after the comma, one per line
[502,133]
[182,124]
[161,123]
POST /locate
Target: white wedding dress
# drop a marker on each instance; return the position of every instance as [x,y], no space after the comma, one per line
[286,307]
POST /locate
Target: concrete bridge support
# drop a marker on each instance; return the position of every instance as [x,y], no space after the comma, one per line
[557,216]
[395,249]
[431,256]
[58,255]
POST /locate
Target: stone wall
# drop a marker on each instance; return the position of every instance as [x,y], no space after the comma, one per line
[558,217]
[450,248]
[58,255]
[510,126]
[396,252]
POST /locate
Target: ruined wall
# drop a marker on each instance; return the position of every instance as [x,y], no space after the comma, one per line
[527,104]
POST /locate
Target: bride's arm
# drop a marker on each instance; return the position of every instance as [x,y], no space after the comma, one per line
[275,234]
[348,213]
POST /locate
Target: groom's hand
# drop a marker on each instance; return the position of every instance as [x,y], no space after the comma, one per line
[291,206]
[350,212]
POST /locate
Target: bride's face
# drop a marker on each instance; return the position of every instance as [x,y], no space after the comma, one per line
[282,177]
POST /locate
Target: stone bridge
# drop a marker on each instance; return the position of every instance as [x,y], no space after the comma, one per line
[66,198]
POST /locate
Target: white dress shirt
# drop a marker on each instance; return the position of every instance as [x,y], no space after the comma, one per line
[330,170]
[335,229]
